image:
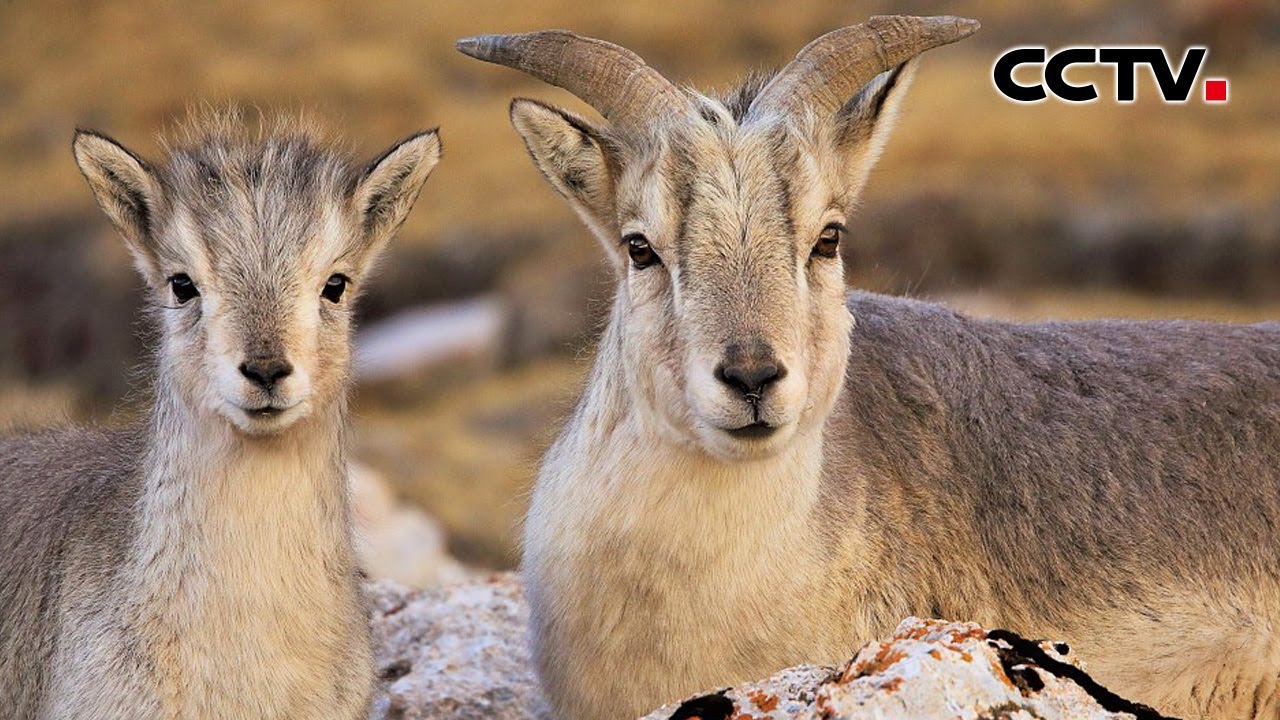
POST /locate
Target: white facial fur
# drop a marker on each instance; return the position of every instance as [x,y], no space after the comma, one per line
[210,336]
[253,249]
[733,213]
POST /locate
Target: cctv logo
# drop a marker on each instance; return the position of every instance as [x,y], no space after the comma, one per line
[1174,87]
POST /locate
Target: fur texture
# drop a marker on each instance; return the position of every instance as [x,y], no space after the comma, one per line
[199,565]
[1113,484]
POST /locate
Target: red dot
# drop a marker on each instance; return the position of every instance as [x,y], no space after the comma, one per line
[1215,91]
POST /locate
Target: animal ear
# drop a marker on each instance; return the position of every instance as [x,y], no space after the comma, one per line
[864,123]
[569,152]
[127,190]
[387,189]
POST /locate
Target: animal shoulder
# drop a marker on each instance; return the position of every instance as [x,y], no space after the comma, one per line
[67,472]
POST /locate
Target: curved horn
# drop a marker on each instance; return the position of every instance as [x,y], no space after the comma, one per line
[609,78]
[832,69]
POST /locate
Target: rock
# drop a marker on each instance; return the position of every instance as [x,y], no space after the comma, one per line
[460,652]
[395,541]
[927,669]
[420,350]
[453,653]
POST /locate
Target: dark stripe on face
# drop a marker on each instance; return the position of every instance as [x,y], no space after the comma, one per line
[785,198]
[681,171]
[785,166]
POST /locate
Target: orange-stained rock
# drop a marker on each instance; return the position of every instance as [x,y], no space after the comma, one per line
[460,653]
[929,670]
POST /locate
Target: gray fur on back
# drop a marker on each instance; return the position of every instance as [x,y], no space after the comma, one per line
[60,492]
[1092,460]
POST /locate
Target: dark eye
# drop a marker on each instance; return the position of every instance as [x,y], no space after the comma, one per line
[183,288]
[642,255]
[334,287]
[828,244]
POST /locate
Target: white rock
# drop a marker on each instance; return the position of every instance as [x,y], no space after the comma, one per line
[453,653]
[460,653]
[927,670]
[429,336]
[395,541]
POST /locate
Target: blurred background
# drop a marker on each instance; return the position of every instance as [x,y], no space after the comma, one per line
[479,328]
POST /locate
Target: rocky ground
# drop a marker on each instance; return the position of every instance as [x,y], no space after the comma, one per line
[459,653]
[453,653]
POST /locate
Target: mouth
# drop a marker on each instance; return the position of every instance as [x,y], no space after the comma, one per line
[755,431]
[265,419]
[265,413]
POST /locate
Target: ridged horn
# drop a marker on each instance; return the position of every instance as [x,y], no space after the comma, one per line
[832,69]
[609,78]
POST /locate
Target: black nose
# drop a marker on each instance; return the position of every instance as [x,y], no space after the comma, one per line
[265,372]
[750,369]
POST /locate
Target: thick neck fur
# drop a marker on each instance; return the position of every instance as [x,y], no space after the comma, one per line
[675,490]
[702,549]
[205,482]
[242,553]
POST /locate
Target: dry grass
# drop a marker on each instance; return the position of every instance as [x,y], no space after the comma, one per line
[382,69]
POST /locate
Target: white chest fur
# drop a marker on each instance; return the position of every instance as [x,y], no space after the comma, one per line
[239,599]
[647,563]
[265,588]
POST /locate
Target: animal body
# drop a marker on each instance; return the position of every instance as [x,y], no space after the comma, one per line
[764,470]
[198,564]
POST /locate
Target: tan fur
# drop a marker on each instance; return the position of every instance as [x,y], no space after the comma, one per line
[200,565]
[1114,485]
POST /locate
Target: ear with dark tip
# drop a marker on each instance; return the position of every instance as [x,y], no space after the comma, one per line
[865,122]
[386,191]
[126,189]
[570,153]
